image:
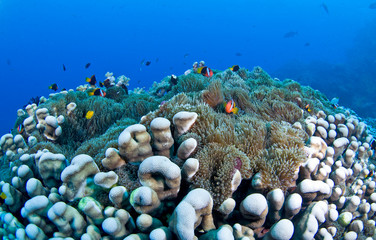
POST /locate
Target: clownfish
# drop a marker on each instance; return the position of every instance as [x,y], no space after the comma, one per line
[205,71]
[308,108]
[174,79]
[92,80]
[20,128]
[230,107]
[235,68]
[53,87]
[370,174]
[334,102]
[97,92]
[373,144]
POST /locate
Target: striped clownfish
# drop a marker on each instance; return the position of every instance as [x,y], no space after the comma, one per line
[205,71]
[230,107]
[97,92]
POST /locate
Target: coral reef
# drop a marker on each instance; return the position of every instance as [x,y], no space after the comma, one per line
[171,163]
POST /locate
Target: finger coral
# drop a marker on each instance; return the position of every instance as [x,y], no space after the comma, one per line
[171,163]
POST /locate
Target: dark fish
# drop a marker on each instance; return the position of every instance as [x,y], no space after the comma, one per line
[64,68]
[97,92]
[186,55]
[143,62]
[106,83]
[205,71]
[325,7]
[235,68]
[373,144]
[92,80]
[125,88]
[372,5]
[53,87]
[87,65]
[238,54]
[9,62]
[307,44]
[290,34]
[174,79]
[156,60]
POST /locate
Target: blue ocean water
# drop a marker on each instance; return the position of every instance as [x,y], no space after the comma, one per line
[329,45]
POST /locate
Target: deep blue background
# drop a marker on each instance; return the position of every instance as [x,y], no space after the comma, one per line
[38,36]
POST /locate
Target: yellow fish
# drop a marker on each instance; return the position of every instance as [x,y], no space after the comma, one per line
[89,114]
[308,108]
[3,196]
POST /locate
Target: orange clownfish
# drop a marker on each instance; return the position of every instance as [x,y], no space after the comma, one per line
[205,71]
[230,107]
[97,92]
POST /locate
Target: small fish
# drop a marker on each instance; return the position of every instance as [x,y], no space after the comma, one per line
[157,60]
[186,55]
[64,68]
[334,102]
[2,198]
[205,71]
[20,128]
[235,68]
[174,79]
[53,87]
[373,144]
[124,87]
[307,44]
[97,92]
[147,63]
[370,174]
[101,84]
[308,108]
[230,107]
[89,115]
[238,54]
[325,7]
[372,5]
[290,34]
[9,62]
[92,80]
[87,65]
